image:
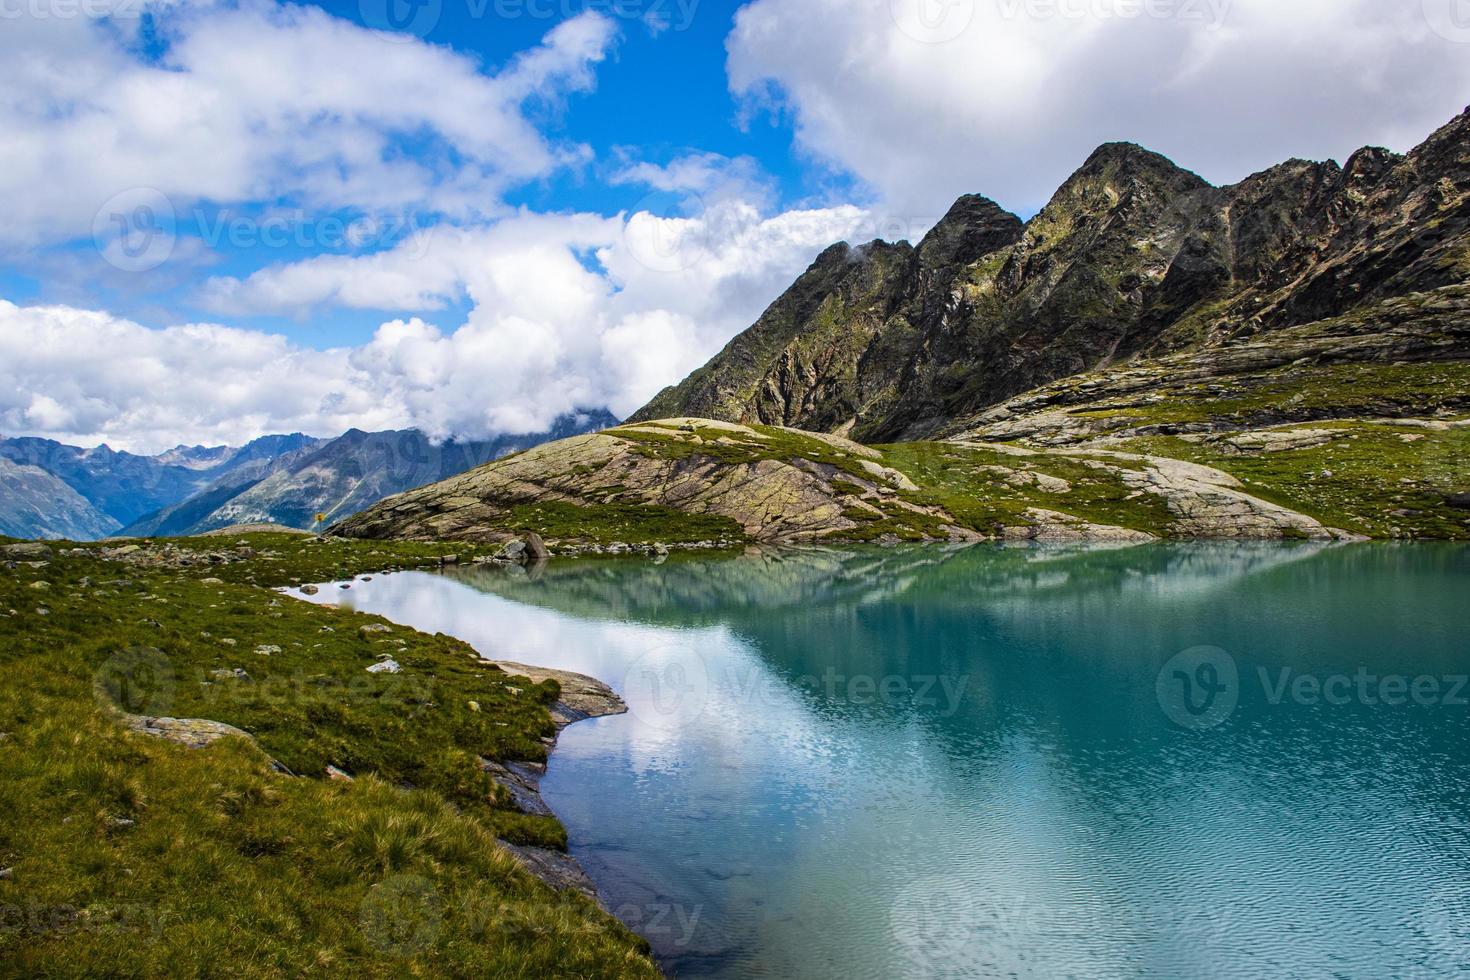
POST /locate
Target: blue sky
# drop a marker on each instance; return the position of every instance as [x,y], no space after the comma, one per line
[233,217]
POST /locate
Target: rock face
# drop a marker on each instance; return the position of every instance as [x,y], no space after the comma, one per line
[771,495]
[1132,257]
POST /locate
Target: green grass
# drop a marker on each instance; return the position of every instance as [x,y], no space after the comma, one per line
[611,522]
[1380,485]
[1305,392]
[956,479]
[133,856]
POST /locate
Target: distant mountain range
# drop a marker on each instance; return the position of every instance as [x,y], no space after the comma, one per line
[51,490]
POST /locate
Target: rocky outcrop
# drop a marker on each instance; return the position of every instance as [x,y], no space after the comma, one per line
[1132,258]
[196,733]
[1341,368]
[773,487]
[783,486]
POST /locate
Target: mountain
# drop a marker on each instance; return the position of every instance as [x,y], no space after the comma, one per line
[125,486]
[1149,356]
[339,478]
[1133,259]
[35,504]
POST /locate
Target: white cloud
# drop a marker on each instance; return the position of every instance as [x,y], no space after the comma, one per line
[1007,97]
[565,315]
[86,377]
[263,102]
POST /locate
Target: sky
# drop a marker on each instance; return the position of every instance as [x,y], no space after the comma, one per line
[227,219]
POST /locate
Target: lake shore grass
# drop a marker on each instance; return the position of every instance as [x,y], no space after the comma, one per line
[128,855]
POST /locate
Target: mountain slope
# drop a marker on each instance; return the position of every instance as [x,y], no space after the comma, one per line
[700,482]
[1132,258]
[338,478]
[35,504]
[125,486]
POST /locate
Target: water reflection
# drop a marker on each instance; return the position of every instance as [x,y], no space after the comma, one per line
[962,762]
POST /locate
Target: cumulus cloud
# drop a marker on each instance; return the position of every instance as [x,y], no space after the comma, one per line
[928,99]
[85,377]
[567,312]
[263,102]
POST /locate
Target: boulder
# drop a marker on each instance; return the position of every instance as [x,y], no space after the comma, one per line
[536,549]
[26,551]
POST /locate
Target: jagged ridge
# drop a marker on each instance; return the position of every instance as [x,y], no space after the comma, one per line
[1133,257]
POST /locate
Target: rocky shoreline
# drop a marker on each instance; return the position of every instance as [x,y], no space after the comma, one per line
[582,698]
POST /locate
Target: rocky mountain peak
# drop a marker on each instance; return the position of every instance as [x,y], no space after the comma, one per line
[1132,257]
[1122,163]
[973,227]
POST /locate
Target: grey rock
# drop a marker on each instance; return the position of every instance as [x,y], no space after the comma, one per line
[536,548]
[26,551]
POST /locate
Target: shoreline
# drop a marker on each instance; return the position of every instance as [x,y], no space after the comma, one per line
[582,698]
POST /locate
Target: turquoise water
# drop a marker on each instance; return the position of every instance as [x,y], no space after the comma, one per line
[1159,761]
